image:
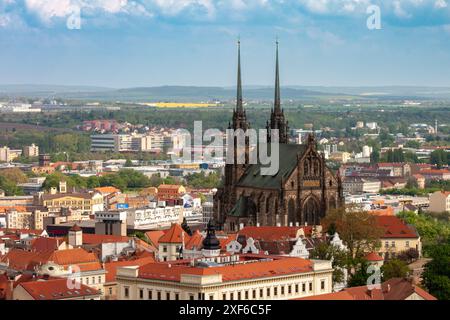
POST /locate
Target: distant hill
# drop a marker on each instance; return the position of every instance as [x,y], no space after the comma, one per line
[193,93]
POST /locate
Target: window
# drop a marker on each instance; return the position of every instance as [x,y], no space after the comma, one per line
[99,279]
[310,286]
[296,288]
[275,291]
[211,297]
[177,296]
[254,294]
[224,296]
[164,249]
[393,244]
[282,290]
[141,293]
[290,289]
[126,292]
[268,292]
[231,296]
[191,297]
[158,295]
[246,295]
[167,295]
[407,244]
[87,280]
[150,294]
[386,244]
[239,295]
[303,287]
[110,291]
[322,284]
[93,280]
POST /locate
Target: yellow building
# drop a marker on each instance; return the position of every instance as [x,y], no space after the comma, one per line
[398,237]
[87,203]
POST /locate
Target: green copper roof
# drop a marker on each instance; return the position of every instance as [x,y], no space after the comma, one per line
[288,162]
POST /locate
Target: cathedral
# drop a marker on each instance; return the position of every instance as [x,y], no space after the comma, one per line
[300,193]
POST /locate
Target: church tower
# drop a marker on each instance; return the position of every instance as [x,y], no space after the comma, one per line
[235,170]
[277,119]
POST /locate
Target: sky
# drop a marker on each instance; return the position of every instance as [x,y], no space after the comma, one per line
[125,43]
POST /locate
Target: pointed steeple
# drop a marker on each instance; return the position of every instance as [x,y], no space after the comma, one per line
[277,105]
[277,119]
[239,104]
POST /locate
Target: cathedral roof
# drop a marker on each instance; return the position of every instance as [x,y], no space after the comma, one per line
[288,162]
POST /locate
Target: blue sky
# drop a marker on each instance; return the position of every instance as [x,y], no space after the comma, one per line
[124,43]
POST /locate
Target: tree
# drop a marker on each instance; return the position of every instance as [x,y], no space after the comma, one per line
[360,276]
[358,229]
[440,157]
[14,175]
[408,256]
[436,276]
[128,163]
[325,251]
[374,157]
[394,269]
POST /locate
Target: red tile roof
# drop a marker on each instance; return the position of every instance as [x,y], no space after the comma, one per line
[195,241]
[393,289]
[259,269]
[394,227]
[43,244]
[174,235]
[154,236]
[111,267]
[56,289]
[24,260]
[373,257]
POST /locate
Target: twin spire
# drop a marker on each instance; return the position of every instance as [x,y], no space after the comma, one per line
[277,120]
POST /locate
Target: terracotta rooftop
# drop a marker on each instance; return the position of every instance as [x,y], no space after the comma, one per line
[373,257]
[172,271]
[174,235]
[43,244]
[394,227]
[111,267]
[56,289]
[393,289]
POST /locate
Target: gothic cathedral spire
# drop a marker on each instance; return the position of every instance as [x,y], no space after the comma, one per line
[239,114]
[277,120]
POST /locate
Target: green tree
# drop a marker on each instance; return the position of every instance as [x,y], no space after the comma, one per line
[360,276]
[440,158]
[325,251]
[394,269]
[358,229]
[436,276]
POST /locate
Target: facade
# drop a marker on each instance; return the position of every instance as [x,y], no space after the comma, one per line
[8,155]
[302,191]
[86,202]
[357,185]
[228,277]
[31,151]
[32,219]
[440,201]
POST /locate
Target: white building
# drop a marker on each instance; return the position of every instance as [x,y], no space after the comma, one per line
[440,201]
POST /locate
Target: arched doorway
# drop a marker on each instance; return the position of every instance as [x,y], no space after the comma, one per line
[311,211]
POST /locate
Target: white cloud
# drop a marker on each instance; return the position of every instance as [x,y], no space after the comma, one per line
[440,4]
